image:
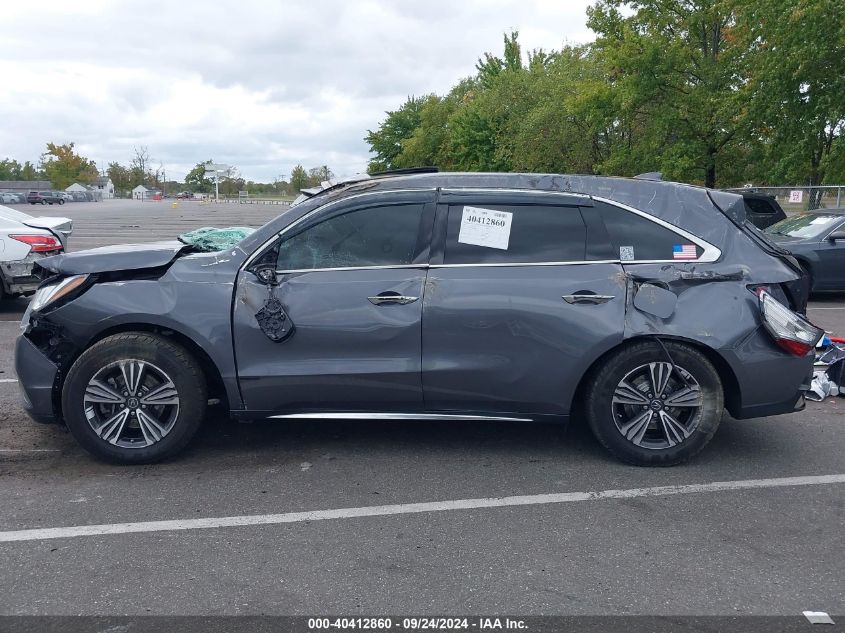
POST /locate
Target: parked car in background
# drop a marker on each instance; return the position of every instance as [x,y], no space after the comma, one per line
[763,210]
[433,296]
[7,197]
[78,196]
[67,196]
[24,240]
[184,195]
[817,240]
[44,197]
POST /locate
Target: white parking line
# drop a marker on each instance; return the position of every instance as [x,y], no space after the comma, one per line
[40,534]
[8,379]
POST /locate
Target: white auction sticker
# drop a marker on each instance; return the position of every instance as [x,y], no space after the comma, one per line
[485,227]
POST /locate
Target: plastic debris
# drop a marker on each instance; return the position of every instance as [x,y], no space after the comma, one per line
[210,239]
[821,387]
[818,617]
[829,371]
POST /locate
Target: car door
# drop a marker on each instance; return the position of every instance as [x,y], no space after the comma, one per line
[350,278]
[518,302]
[829,273]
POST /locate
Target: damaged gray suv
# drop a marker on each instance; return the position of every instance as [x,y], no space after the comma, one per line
[647,307]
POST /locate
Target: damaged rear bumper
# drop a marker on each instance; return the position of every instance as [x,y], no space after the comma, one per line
[19,276]
[37,380]
[772,382]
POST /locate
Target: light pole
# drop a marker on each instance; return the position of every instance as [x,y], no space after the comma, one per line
[214,168]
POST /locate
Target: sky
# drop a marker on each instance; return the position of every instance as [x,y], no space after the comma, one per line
[259,84]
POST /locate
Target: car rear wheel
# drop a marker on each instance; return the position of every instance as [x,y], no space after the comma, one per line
[134,398]
[43,202]
[651,407]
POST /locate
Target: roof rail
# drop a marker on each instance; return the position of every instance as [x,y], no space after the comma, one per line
[406,171]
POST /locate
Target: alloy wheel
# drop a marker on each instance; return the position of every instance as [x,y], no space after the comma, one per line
[131,403]
[657,406]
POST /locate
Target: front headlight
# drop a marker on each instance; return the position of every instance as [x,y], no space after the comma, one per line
[46,295]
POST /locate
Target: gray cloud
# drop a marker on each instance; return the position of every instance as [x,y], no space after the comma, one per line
[261,85]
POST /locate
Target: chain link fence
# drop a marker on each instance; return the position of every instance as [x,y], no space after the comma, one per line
[797,199]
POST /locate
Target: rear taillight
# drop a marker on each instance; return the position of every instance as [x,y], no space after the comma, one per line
[790,330]
[39,243]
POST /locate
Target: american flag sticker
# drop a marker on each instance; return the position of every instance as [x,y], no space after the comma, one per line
[684,251]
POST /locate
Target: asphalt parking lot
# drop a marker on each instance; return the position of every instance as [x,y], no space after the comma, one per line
[759,544]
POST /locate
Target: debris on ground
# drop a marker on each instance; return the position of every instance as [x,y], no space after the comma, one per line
[210,239]
[828,370]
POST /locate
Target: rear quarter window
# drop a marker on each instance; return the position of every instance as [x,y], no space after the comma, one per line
[635,238]
[535,234]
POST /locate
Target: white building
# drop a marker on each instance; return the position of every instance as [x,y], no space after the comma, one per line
[105,186]
[140,192]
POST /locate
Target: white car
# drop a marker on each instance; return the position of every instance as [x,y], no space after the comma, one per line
[23,241]
[67,197]
[6,197]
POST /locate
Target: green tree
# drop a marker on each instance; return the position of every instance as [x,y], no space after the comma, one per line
[683,65]
[197,181]
[10,169]
[798,53]
[298,179]
[386,142]
[63,166]
[121,177]
[318,175]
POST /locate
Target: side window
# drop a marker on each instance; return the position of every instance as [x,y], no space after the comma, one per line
[524,234]
[759,206]
[374,236]
[635,238]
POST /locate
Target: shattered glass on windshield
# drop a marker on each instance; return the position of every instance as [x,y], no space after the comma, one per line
[210,239]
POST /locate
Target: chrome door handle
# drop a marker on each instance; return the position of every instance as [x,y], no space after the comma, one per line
[587,298]
[387,299]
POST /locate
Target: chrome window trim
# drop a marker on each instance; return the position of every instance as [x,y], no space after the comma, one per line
[335,269]
[710,254]
[362,415]
[523,264]
[260,250]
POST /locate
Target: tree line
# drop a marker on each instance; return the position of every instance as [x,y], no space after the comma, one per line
[62,165]
[715,92]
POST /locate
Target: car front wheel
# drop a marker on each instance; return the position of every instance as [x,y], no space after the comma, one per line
[134,398]
[655,406]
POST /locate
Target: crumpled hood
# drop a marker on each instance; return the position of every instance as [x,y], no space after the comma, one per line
[114,258]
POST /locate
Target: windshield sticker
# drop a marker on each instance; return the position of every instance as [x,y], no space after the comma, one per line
[626,253]
[485,227]
[684,251]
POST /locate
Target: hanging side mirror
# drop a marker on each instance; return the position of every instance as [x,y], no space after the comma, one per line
[266,274]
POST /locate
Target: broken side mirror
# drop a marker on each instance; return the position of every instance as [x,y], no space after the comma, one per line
[266,274]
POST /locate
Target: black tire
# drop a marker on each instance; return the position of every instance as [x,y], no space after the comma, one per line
[61,202]
[159,353]
[612,414]
[43,202]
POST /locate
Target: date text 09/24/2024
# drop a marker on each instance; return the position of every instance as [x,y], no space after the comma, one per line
[416,624]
